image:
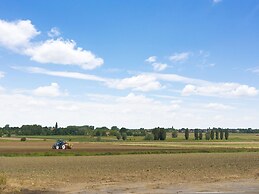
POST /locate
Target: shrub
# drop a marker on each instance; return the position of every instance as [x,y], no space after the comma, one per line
[118,136]
[124,136]
[186,134]
[149,137]
[23,139]
[174,134]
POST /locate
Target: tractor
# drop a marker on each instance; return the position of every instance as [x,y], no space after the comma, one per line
[60,144]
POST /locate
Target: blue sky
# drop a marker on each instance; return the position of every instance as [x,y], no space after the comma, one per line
[130,63]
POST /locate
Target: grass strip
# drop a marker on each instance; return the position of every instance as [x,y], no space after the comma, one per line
[169,151]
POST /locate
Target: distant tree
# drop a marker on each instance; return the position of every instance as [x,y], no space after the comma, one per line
[56,126]
[118,136]
[98,133]
[217,133]
[123,130]
[221,133]
[186,133]
[226,134]
[155,132]
[7,127]
[149,137]
[115,128]
[159,133]
[124,136]
[104,133]
[200,134]
[196,134]
[174,133]
[162,134]
[208,134]
[212,134]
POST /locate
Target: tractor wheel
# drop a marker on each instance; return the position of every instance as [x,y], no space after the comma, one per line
[63,147]
[57,147]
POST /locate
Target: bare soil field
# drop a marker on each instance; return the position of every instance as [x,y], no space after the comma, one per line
[153,173]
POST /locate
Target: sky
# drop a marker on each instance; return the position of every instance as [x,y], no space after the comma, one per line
[130,63]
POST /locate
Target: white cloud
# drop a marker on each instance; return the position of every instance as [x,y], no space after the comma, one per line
[2,74]
[131,111]
[218,106]
[53,90]
[180,57]
[67,74]
[159,66]
[220,90]
[177,78]
[63,52]
[146,82]
[151,59]
[54,32]
[135,99]
[17,34]
[141,82]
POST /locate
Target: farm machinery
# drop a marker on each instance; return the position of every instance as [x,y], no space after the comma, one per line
[61,144]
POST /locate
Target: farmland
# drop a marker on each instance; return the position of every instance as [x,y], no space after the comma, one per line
[132,166]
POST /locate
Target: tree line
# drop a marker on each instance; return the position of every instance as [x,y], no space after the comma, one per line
[121,133]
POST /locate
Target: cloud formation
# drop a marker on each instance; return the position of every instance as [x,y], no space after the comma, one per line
[53,90]
[151,59]
[63,52]
[141,82]
[18,36]
[67,74]
[54,32]
[218,106]
[220,90]
[159,66]
[180,57]
[147,82]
